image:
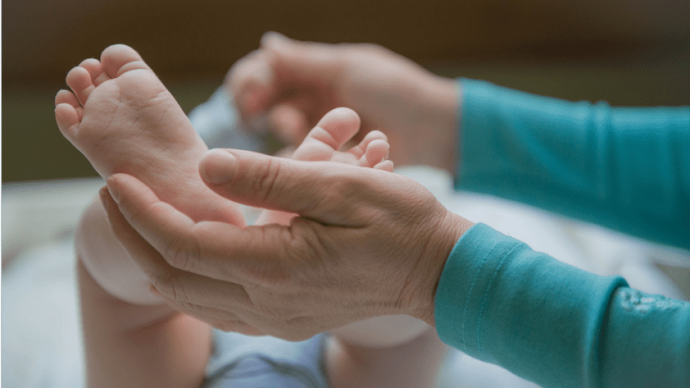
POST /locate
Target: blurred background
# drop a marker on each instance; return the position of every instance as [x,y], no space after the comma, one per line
[628,52]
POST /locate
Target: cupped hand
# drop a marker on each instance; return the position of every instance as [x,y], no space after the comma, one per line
[295,83]
[367,243]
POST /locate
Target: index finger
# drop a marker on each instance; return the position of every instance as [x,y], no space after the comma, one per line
[252,85]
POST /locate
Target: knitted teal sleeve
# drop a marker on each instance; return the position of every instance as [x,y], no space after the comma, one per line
[501,302]
[624,168]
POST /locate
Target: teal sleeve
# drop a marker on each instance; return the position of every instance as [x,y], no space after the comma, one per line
[624,168]
[501,302]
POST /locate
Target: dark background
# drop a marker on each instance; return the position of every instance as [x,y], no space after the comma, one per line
[628,52]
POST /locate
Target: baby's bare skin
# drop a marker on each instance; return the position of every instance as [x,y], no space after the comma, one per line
[122,118]
[322,143]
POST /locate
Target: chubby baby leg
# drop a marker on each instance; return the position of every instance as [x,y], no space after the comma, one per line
[122,118]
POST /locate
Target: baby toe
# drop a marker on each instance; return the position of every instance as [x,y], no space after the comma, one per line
[374,135]
[66,97]
[79,80]
[119,58]
[336,127]
[325,139]
[67,118]
[376,152]
[386,165]
[361,148]
[95,69]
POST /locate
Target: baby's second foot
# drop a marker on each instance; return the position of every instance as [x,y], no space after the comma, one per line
[122,118]
[323,144]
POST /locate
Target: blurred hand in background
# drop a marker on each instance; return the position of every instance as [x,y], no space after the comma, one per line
[293,84]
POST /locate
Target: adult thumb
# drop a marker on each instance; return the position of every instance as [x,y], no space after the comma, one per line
[311,189]
[305,61]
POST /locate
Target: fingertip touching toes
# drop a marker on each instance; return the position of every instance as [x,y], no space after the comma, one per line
[323,143]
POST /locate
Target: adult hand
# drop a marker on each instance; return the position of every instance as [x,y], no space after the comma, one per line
[367,243]
[296,83]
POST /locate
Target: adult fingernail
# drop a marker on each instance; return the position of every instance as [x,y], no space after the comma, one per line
[218,167]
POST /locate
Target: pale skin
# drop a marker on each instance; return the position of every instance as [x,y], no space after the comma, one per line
[297,280]
[125,121]
[294,83]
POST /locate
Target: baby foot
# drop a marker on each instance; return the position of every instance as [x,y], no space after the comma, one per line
[323,143]
[122,118]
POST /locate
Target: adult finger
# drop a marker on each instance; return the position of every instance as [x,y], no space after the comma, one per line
[208,300]
[318,190]
[195,292]
[144,255]
[219,319]
[206,263]
[161,239]
[169,282]
[251,82]
[202,313]
[222,304]
[301,61]
[145,216]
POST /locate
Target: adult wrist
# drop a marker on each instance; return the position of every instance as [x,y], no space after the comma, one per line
[447,235]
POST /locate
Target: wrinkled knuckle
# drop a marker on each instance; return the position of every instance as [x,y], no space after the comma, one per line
[163,283]
[339,186]
[267,177]
[172,287]
[299,248]
[182,254]
[337,192]
[306,246]
[178,290]
[351,185]
[188,307]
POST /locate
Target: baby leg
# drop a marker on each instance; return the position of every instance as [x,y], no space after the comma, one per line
[122,118]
